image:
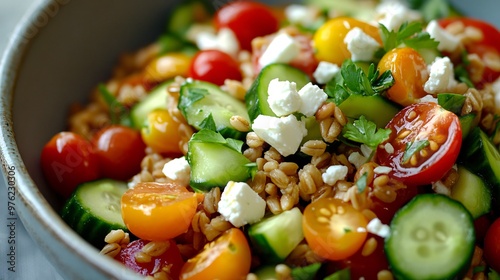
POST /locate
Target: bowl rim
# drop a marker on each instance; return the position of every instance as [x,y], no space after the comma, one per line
[33,205]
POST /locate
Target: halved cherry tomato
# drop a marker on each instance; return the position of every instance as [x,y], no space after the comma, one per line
[331,228]
[329,38]
[492,245]
[120,150]
[215,67]
[68,160]
[426,140]
[161,132]
[410,74]
[226,258]
[247,20]
[170,259]
[363,267]
[154,211]
[166,67]
[487,47]
[385,211]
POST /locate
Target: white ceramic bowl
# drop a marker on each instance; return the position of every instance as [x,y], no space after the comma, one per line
[60,51]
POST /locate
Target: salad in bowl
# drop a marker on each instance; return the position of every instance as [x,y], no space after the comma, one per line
[327,140]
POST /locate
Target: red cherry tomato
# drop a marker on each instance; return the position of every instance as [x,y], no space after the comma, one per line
[68,160]
[488,47]
[215,67]
[247,20]
[426,140]
[385,211]
[170,257]
[120,150]
[363,267]
[492,245]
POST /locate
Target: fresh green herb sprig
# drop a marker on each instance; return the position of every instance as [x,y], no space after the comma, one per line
[120,114]
[365,132]
[409,34]
[413,148]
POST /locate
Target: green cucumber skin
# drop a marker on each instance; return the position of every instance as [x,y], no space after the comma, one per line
[474,156]
[256,97]
[466,244]
[88,226]
[156,99]
[467,123]
[472,192]
[375,108]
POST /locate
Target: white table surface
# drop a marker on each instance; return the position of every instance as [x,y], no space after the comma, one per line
[30,263]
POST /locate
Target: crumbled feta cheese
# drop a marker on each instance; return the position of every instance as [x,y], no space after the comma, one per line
[376,227]
[196,29]
[285,134]
[440,187]
[392,14]
[283,97]
[325,72]
[283,48]
[447,42]
[312,98]
[334,173]
[302,15]
[428,98]
[240,205]
[357,159]
[224,41]
[441,76]
[382,169]
[178,170]
[361,45]
[389,148]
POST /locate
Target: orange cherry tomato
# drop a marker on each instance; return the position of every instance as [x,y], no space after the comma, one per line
[329,38]
[167,67]
[331,228]
[410,74]
[68,160]
[161,132]
[170,258]
[226,258]
[154,211]
[426,141]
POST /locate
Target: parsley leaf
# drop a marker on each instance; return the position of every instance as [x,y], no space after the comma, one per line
[414,147]
[365,132]
[362,182]
[410,35]
[306,272]
[188,99]
[344,274]
[119,113]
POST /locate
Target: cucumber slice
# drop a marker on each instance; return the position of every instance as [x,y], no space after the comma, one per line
[472,192]
[467,123]
[94,209]
[215,161]
[274,238]
[481,157]
[256,97]
[156,99]
[432,237]
[374,107]
[204,105]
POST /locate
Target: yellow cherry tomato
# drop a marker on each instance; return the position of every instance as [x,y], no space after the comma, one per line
[161,132]
[158,212]
[410,74]
[329,38]
[167,66]
[331,228]
[226,258]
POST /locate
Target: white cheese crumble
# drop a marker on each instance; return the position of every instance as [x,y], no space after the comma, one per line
[441,76]
[283,97]
[240,205]
[312,98]
[224,41]
[357,159]
[382,169]
[283,133]
[302,15]
[440,188]
[376,227]
[283,48]
[325,72]
[178,170]
[447,42]
[428,98]
[334,173]
[392,14]
[361,45]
